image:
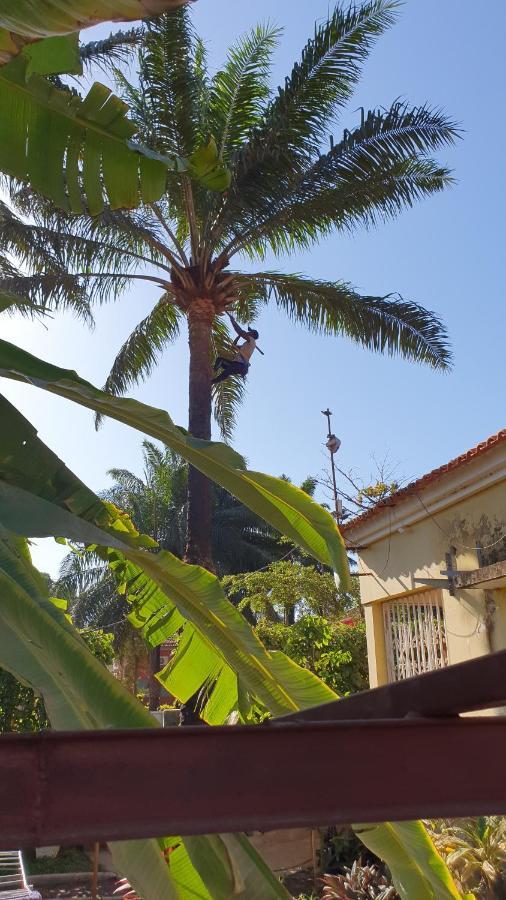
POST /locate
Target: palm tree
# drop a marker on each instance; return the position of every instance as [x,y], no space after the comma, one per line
[286,191]
[157,504]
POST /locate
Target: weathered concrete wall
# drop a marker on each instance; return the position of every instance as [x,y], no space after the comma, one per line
[410,540]
[287,848]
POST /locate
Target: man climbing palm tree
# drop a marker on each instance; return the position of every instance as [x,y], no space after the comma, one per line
[240,363]
[288,188]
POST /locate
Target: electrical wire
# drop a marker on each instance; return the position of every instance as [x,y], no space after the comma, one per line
[448,538]
[281,558]
[125,618]
[102,627]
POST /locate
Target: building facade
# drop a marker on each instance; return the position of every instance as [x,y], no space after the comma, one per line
[432,566]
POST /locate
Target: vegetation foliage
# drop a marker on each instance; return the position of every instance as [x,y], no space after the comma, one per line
[288,188]
[22,709]
[284,192]
[475,852]
[336,652]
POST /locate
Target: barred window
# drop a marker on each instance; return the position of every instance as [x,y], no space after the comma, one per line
[415,635]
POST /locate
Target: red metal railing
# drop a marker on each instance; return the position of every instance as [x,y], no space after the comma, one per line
[404,751]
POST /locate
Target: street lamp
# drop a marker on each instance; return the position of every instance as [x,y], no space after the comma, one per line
[333,443]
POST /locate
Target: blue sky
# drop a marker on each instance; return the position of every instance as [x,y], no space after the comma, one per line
[445,253]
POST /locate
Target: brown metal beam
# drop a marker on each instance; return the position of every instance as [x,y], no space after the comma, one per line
[79,787]
[477,684]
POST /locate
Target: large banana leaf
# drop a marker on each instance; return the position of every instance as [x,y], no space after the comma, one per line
[416,867]
[23,21]
[74,151]
[218,650]
[285,507]
[40,497]
[42,18]
[39,646]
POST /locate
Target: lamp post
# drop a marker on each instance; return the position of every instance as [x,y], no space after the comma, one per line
[333,443]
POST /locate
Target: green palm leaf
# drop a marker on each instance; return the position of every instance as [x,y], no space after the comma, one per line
[33,295]
[109,52]
[227,398]
[139,354]
[295,122]
[370,175]
[382,324]
[322,80]
[171,83]
[239,90]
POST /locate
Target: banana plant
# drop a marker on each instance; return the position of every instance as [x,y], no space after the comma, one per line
[219,651]
[39,496]
[78,152]
[417,868]
[25,21]
[40,647]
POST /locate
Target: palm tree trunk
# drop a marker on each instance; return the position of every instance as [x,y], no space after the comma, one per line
[200,318]
[198,547]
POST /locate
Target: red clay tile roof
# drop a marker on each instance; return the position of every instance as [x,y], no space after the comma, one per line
[415,486]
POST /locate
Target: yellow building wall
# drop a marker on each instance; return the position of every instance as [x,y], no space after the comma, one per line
[418,551]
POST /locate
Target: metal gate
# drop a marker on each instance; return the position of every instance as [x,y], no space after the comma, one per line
[415,635]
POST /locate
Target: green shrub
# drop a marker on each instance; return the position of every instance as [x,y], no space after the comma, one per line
[69,859]
[336,652]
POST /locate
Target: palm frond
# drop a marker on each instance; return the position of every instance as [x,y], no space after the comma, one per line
[12,304]
[126,480]
[41,294]
[154,455]
[371,174]
[348,206]
[322,80]
[138,356]
[111,51]
[29,246]
[239,91]
[227,398]
[56,244]
[296,121]
[79,571]
[169,79]
[386,324]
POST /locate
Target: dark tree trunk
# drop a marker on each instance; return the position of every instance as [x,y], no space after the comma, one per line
[200,317]
[154,686]
[200,499]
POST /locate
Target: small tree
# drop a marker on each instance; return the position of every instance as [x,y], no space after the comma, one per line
[286,589]
[335,651]
[298,610]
